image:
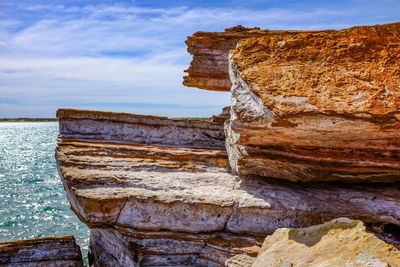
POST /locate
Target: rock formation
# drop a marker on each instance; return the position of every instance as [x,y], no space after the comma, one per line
[339,242]
[319,106]
[42,252]
[144,198]
[157,191]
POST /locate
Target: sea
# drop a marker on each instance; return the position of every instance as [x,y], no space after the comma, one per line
[33,202]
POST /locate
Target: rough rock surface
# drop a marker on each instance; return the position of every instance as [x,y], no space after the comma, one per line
[340,242]
[42,252]
[144,198]
[317,106]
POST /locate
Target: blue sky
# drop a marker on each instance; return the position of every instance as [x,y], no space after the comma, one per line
[129,56]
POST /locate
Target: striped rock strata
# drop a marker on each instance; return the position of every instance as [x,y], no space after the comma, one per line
[178,203]
[41,252]
[317,106]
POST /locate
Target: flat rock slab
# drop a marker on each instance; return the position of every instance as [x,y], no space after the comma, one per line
[140,129]
[48,251]
[317,106]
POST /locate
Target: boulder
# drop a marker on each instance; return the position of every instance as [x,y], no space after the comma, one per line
[317,106]
[340,242]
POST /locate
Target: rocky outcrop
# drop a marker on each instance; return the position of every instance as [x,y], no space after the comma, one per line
[340,242]
[317,106]
[174,204]
[49,251]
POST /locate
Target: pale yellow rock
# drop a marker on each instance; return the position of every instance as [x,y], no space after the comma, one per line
[340,242]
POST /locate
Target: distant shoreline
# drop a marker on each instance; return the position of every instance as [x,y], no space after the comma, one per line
[28,120]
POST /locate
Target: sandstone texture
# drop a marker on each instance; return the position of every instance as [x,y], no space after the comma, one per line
[42,252]
[317,106]
[340,242]
[179,205]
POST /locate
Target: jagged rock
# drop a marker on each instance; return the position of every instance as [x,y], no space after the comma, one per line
[317,106]
[132,191]
[209,67]
[223,116]
[340,242]
[41,252]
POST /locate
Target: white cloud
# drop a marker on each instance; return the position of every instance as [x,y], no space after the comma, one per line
[113,53]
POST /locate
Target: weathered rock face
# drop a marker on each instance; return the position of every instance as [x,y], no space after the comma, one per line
[317,106]
[42,252]
[161,205]
[339,242]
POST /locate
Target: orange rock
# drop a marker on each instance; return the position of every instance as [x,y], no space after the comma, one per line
[209,67]
[324,106]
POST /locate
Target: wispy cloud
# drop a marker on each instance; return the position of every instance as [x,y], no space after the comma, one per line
[93,54]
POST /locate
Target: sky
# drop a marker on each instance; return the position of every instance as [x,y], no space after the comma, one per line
[129,56]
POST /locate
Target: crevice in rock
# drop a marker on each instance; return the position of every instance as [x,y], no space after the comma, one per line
[390,233]
[123,207]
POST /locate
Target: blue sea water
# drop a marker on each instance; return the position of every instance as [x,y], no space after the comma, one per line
[33,203]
